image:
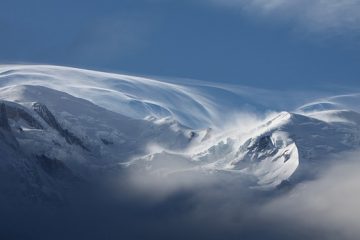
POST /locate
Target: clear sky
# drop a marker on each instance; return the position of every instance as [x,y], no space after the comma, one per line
[263,43]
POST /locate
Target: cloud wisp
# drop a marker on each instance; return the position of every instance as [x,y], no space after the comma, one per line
[335,16]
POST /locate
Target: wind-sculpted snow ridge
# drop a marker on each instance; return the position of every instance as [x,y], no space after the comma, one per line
[196,105]
[63,128]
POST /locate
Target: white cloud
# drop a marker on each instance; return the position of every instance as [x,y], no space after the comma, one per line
[330,204]
[315,15]
[326,207]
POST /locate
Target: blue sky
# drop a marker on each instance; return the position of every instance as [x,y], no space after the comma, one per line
[270,44]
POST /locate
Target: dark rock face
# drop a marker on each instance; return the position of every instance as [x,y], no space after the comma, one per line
[192,135]
[4,123]
[207,135]
[106,142]
[261,144]
[5,129]
[50,119]
[18,113]
[55,168]
[256,149]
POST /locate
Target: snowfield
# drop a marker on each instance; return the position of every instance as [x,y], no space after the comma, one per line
[64,127]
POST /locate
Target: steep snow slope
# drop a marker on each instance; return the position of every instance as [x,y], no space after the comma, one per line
[86,125]
[55,138]
[25,177]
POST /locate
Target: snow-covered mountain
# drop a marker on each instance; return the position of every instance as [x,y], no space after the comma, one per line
[138,97]
[64,127]
[52,132]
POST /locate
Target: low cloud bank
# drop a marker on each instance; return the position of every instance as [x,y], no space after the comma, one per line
[215,206]
[328,205]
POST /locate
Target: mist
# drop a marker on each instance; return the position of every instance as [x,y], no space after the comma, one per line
[193,205]
[217,206]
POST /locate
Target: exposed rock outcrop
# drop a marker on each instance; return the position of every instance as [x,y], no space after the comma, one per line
[50,119]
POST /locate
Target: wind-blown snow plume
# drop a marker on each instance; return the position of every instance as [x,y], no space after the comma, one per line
[194,105]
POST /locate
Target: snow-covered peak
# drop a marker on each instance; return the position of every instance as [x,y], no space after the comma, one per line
[287,147]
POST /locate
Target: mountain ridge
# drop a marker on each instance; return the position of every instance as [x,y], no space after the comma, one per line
[62,137]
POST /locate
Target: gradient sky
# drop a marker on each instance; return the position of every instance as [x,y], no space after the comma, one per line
[262,43]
